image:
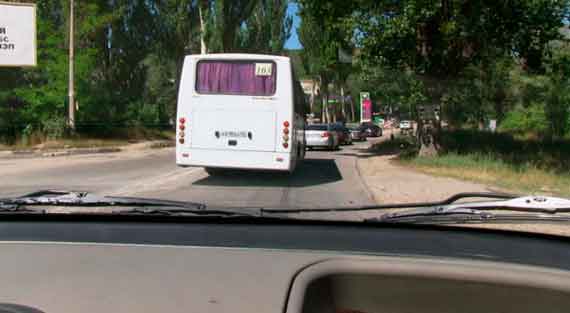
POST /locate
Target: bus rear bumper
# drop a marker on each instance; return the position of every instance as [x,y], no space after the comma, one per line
[254,160]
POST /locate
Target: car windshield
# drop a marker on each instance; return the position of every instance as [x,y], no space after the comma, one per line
[296,105]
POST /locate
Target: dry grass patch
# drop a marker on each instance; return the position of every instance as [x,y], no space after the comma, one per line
[487,170]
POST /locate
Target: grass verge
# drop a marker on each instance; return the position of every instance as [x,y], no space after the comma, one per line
[493,171]
[85,141]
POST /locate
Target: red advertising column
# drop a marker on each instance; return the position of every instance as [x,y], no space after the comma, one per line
[367,110]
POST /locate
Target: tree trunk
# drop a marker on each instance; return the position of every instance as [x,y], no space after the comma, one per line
[228,40]
[333,110]
[325,98]
[312,99]
[333,113]
[202,8]
[322,94]
[352,109]
[427,135]
[323,108]
[427,151]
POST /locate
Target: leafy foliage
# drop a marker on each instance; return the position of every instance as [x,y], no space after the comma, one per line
[267,29]
[128,58]
[479,60]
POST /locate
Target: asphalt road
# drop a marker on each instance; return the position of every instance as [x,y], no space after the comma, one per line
[325,179]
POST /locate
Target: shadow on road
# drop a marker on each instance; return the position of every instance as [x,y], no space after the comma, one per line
[366,153]
[310,172]
[378,147]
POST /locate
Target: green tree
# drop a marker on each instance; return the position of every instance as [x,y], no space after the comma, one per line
[320,54]
[267,29]
[224,21]
[440,39]
[36,94]
[179,31]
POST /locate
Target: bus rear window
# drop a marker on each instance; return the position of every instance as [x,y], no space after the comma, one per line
[255,78]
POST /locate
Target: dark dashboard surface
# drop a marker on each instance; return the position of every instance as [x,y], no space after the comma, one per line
[365,239]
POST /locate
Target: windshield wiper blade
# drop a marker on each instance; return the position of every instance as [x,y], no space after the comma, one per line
[527,208]
[165,211]
[125,206]
[85,199]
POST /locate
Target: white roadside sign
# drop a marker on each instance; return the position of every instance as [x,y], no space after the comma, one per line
[17,34]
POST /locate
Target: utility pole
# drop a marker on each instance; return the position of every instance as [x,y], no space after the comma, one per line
[71,117]
[342,103]
[202,7]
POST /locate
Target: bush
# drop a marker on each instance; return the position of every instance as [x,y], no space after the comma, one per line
[526,120]
[143,114]
[54,128]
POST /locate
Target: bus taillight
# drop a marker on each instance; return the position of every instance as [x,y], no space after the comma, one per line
[181,129]
[286,134]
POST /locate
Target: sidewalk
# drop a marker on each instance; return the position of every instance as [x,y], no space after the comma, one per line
[390,183]
[57,152]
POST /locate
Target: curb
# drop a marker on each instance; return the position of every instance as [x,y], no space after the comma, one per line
[21,152]
[80,152]
[163,144]
[38,153]
[369,192]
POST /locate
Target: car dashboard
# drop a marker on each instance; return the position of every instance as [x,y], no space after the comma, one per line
[293,268]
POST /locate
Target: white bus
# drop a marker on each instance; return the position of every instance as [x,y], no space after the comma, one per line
[240,111]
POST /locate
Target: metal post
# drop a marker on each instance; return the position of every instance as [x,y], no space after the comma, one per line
[71,117]
[342,104]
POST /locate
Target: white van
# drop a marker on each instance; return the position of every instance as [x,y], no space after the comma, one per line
[240,111]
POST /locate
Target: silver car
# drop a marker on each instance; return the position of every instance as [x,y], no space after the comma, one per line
[321,135]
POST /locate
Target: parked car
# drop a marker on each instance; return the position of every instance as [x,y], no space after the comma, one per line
[321,135]
[405,125]
[343,133]
[370,130]
[357,134]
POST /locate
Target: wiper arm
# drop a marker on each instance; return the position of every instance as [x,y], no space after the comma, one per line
[375,207]
[11,209]
[84,199]
[536,208]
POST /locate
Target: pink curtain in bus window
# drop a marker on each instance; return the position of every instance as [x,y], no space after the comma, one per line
[233,78]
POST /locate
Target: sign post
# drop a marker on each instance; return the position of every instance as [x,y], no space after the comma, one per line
[17,34]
